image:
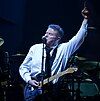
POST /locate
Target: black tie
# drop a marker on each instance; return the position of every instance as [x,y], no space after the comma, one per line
[47,62]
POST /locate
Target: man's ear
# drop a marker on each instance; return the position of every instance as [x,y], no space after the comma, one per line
[59,38]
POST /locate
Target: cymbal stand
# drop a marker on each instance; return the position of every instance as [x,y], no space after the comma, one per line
[72,87]
[7,62]
[6,84]
[79,76]
[72,63]
[78,90]
[76,78]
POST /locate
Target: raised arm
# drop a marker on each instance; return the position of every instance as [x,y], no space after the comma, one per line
[78,39]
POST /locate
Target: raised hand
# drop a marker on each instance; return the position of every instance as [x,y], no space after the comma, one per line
[85,13]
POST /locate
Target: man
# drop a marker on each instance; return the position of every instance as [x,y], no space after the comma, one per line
[31,66]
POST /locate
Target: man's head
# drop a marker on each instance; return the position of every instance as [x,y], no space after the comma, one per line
[53,34]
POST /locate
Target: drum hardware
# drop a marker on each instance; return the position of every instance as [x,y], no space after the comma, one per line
[79,77]
[92,68]
[82,84]
[99,74]
[6,81]
[18,55]
[84,89]
[90,65]
[87,89]
[80,58]
[6,73]
[75,77]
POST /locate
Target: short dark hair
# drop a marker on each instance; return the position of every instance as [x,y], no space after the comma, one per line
[58,28]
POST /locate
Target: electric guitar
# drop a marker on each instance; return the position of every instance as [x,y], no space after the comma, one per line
[30,91]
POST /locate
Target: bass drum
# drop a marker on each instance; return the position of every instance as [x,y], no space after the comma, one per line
[87,89]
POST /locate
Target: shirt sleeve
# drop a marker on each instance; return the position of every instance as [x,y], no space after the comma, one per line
[78,39]
[25,68]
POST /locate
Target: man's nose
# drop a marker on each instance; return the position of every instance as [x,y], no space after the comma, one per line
[46,35]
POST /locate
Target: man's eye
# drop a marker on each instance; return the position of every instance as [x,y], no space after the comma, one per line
[48,33]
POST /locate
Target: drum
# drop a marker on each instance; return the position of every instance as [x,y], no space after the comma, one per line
[87,89]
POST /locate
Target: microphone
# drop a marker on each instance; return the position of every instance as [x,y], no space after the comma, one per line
[44,40]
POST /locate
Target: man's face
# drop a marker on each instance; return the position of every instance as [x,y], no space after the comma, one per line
[52,37]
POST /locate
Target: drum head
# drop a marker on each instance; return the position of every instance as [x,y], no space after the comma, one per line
[87,89]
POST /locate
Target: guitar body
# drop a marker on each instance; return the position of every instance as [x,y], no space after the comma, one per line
[31,93]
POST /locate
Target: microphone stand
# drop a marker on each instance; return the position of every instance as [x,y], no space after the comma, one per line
[42,72]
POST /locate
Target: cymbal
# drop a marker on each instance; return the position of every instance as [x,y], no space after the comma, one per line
[80,58]
[90,65]
[18,54]
[1,41]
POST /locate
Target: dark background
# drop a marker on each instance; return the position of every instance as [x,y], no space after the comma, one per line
[24,22]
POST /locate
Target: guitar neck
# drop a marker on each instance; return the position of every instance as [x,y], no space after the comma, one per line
[47,80]
[54,77]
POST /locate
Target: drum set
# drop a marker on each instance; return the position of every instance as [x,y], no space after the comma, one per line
[11,86]
[84,84]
